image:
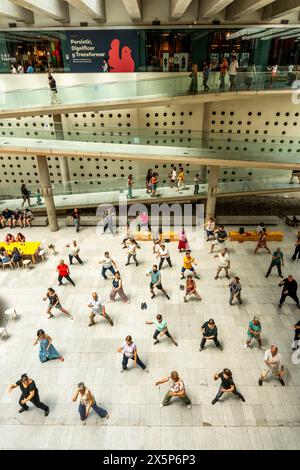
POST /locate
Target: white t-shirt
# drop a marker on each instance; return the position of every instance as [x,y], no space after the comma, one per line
[74,250]
[176,386]
[96,305]
[223,260]
[164,253]
[129,349]
[132,248]
[107,262]
[276,361]
[173,175]
[233,67]
[210,226]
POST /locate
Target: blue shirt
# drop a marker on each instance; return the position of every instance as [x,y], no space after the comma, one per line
[155,276]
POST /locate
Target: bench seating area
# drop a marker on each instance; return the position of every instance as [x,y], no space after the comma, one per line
[252,236]
[290,220]
[39,221]
[147,236]
[247,219]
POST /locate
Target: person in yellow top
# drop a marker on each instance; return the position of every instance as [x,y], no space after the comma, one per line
[188,262]
[180,179]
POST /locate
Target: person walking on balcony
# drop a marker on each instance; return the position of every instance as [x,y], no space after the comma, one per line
[129,186]
[206,71]
[262,242]
[295,174]
[223,72]
[52,89]
[173,176]
[193,88]
[197,182]
[277,260]
[233,67]
[154,183]
[76,219]
[148,181]
[180,179]
[274,72]
[25,195]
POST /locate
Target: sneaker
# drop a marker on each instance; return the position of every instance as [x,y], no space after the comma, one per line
[214,401]
[145,306]
[142,305]
[242,398]
[23,409]
[50,316]
[282,382]
[71,317]
[47,412]
[152,296]
[216,277]
[156,342]
[147,371]
[175,344]
[127,264]
[280,305]
[92,323]
[260,382]
[197,277]
[168,297]
[161,405]
[220,347]
[122,370]
[189,406]
[136,264]
[246,346]
[201,349]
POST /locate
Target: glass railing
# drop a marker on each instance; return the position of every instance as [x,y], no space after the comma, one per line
[100,190]
[142,88]
[139,146]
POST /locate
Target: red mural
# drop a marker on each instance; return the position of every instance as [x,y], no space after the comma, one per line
[125,63]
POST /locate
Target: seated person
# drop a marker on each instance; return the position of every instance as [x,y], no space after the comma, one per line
[9,238]
[17,218]
[4,257]
[7,217]
[27,217]
[20,238]
[16,256]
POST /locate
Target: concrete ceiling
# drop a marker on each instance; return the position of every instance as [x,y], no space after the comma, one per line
[143,12]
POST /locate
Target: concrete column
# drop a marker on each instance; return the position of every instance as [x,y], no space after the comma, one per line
[213,178]
[46,191]
[63,161]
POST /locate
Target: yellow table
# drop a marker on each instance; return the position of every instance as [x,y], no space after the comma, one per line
[252,236]
[26,249]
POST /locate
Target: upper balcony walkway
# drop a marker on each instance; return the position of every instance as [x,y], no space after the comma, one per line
[139,92]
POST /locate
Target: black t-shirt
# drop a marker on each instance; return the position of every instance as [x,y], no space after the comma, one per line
[27,390]
[25,191]
[297,332]
[221,234]
[53,299]
[209,331]
[290,286]
[226,382]
[52,84]
[76,215]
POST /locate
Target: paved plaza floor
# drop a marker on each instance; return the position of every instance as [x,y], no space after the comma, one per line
[270,418]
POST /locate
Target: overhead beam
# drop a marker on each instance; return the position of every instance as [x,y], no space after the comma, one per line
[178,8]
[280,8]
[92,8]
[15,12]
[56,9]
[241,8]
[134,8]
[210,8]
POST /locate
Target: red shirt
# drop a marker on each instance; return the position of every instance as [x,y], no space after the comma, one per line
[63,269]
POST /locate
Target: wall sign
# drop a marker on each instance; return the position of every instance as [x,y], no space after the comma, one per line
[88,49]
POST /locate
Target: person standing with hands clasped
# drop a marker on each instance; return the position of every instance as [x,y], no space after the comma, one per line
[227,386]
[176,389]
[210,332]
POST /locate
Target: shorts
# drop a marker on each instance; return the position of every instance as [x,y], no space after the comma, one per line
[159,286]
[250,337]
[275,373]
[183,269]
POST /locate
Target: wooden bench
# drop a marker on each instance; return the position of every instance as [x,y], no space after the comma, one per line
[39,221]
[247,219]
[147,236]
[289,219]
[254,237]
